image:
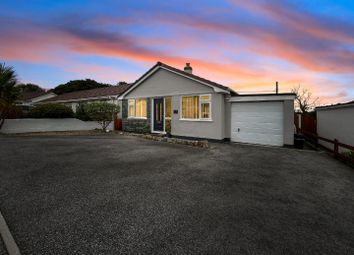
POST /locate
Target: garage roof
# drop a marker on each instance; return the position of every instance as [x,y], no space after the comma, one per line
[334,106]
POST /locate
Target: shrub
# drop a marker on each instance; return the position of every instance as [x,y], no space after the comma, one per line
[348,155]
[146,129]
[102,112]
[14,112]
[168,126]
[81,113]
[51,111]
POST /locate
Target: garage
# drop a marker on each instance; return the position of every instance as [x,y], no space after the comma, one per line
[264,120]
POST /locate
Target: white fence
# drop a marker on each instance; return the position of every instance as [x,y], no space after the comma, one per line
[13,126]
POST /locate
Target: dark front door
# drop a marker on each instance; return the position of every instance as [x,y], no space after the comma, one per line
[158,114]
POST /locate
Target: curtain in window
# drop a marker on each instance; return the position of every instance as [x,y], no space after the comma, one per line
[205,110]
[140,108]
[131,108]
[168,107]
[190,107]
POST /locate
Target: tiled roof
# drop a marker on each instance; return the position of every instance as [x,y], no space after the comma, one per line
[91,93]
[189,75]
[29,95]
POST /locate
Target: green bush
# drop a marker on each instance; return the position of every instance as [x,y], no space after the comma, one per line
[349,155]
[51,111]
[146,129]
[14,112]
[81,113]
[102,112]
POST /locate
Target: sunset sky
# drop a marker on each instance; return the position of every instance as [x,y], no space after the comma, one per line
[247,45]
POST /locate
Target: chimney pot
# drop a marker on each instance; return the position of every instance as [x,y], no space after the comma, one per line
[188,68]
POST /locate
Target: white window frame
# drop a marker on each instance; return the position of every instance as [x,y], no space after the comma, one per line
[164,99]
[152,116]
[134,117]
[205,102]
[199,110]
[129,116]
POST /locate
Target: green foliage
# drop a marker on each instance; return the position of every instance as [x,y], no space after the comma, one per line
[15,112]
[122,83]
[102,112]
[146,129]
[51,111]
[8,91]
[81,113]
[77,85]
[29,87]
[168,126]
[8,80]
[348,155]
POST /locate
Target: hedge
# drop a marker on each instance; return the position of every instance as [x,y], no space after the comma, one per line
[51,111]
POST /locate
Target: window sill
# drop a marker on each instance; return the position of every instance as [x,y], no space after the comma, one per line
[137,118]
[200,120]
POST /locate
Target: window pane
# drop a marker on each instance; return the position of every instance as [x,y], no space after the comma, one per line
[205,110]
[190,107]
[205,98]
[131,106]
[168,107]
[141,108]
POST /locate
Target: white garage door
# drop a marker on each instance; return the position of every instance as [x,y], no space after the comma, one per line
[257,122]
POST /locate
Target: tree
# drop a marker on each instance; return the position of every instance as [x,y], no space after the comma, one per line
[77,85]
[8,91]
[122,83]
[304,100]
[29,87]
[81,113]
[102,112]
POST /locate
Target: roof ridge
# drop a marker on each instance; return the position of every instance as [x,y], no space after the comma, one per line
[159,63]
[91,93]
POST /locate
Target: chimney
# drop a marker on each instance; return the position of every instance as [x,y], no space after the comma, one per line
[276,87]
[188,68]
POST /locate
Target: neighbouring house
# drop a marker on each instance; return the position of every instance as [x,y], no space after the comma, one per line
[29,99]
[73,99]
[336,122]
[166,99]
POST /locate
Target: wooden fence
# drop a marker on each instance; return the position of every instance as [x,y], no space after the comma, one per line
[314,138]
[305,123]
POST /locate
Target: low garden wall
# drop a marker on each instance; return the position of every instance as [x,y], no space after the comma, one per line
[13,126]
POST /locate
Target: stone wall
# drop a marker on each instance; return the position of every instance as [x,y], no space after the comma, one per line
[136,125]
[12,126]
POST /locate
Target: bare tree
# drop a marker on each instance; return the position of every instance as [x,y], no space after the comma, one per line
[304,100]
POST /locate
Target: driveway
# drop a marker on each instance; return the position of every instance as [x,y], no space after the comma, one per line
[122,194]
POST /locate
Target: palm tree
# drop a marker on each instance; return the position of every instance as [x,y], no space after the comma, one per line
[8,90]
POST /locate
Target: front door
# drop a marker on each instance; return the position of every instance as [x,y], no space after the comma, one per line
[158,114]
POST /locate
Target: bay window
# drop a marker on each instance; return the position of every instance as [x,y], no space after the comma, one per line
[137,108]
[196,107]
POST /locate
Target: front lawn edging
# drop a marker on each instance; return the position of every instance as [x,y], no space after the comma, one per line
[160,138]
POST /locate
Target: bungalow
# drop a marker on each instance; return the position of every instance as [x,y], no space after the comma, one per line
[29,99]
[166,99]
[73,99]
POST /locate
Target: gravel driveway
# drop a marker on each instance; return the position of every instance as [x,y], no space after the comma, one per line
[122,194]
